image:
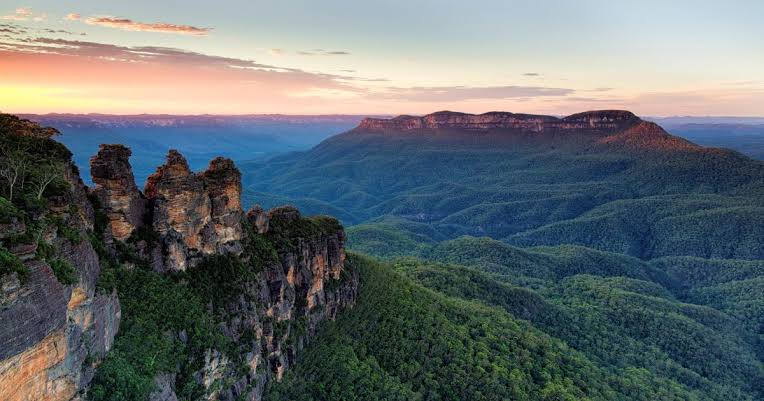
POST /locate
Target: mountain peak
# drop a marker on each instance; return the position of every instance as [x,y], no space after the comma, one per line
[647,135]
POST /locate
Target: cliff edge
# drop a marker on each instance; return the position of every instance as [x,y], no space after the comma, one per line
[93,277]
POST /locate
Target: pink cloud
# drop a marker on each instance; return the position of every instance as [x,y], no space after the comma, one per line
[126,24]
[24,14]
[72,17]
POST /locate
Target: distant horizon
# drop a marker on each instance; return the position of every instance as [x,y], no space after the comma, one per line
[361,114]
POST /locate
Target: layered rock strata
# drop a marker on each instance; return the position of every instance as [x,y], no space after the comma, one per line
[53,335]
[116,190]
[594,121]
[195,214]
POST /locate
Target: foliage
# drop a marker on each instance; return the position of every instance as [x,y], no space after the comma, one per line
[528,190]
[64,271]
[220,278]
[10,263]
[65,230]
[155,309]
[402,341]
[286,232]
[31,163]
[8,211]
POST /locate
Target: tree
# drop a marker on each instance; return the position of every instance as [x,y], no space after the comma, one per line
[46,174]
[14,166]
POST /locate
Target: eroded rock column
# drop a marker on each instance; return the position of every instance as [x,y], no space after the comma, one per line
[116,190]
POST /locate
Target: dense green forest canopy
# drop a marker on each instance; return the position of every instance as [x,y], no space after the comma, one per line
[644,264]
[643,196]
[432,331]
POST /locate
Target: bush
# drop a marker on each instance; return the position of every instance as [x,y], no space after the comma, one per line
[219,278]
[10,263]
[64,271]
[8,212]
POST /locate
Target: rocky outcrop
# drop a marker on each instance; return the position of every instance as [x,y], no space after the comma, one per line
[594,121]
[195,214]
[307,284]
[258,219]
[222,181]
[116,190]
[53,334]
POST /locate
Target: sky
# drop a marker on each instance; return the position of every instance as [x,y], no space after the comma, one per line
[656,58]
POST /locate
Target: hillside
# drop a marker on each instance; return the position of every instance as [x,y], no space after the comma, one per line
[425,330]
[170,293]
[639,251]
[606,179]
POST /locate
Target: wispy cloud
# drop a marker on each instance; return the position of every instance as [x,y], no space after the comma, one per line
[63,31]
[12,29]
[136,54]
[24,14]
[127,24]
[461,93]
[531,74]
[322,52]
[276,52]
[743,83]
[137,78]
[72,17]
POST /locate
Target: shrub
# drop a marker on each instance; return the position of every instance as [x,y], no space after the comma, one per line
[8,212]
[10,263]
[64,271]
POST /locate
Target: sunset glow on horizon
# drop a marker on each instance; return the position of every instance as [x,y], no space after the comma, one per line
[242,57]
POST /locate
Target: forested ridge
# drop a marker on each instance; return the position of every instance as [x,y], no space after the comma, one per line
[638,196]
[637,270]
[424,330]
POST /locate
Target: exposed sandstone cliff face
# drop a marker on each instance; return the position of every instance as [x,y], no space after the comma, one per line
[116,190]
[274,314]
[52,335]
[595,121]
[195,214]
[222,182]
[304,286]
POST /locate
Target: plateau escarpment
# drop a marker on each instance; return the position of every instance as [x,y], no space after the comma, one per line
[607,120]
[213,303]
[587,179]
[608,127]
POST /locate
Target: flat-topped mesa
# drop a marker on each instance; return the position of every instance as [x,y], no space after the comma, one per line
[590,121]
[116,190]
[195,214]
